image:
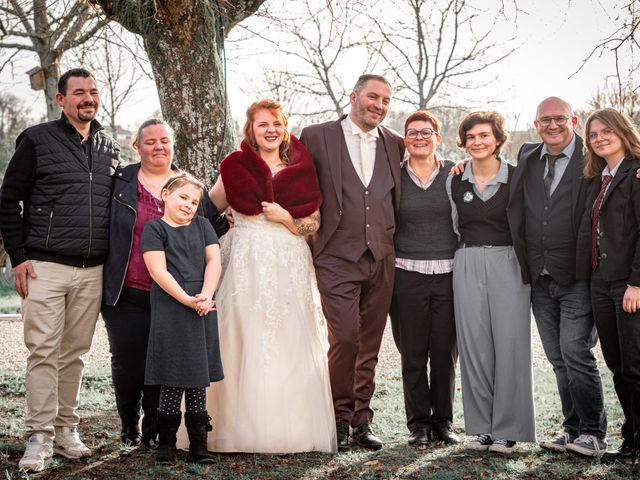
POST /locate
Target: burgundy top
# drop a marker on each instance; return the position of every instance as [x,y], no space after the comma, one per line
[149,208]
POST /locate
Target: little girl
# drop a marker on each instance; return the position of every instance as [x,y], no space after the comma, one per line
[183,257]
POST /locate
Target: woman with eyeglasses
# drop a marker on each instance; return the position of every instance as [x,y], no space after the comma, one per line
[492,304]
[609,251]
[422,304]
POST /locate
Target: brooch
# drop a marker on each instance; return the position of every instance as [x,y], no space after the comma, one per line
[467,197]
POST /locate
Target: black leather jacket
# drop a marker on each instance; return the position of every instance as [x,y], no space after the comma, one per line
[124,205]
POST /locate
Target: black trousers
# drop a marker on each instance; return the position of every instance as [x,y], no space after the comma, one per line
[128,325]
[424,330]
[619,334]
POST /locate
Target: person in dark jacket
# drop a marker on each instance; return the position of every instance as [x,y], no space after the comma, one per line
[57,240]
[609,250]
[127,283]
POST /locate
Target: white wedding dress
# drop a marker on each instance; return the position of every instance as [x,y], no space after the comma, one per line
[276,395]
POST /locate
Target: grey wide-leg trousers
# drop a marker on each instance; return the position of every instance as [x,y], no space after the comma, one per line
[493,324]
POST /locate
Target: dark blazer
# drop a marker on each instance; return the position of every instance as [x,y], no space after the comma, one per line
[619,227]
[530,152]
[325,142]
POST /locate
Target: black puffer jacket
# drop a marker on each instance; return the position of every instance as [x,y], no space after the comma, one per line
[124,209]
[65,214]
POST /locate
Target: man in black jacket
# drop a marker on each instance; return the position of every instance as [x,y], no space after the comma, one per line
[54,218]
[547,200]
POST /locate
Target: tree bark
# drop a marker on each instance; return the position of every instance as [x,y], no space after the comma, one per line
[51,72]
[184,41]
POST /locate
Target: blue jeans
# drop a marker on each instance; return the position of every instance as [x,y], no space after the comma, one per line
[568,334]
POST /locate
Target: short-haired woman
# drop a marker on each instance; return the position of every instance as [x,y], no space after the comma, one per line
[492,303]
[422,304]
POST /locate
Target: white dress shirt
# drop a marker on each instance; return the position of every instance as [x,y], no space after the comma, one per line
[361,147]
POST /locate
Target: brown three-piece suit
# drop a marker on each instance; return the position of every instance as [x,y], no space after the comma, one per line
[354,260]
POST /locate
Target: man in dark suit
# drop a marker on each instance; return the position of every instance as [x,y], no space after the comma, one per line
[358,165]
[547,201]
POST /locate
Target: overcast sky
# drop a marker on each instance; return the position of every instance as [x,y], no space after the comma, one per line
[554,38]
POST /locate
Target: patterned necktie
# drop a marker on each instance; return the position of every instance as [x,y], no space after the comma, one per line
[551,168]
[595,217]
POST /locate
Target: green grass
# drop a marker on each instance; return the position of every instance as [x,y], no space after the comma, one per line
[396,461]
[9,299]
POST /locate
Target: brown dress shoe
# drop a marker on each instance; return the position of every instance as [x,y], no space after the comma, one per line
[364,437]
[342,433]
[446,435]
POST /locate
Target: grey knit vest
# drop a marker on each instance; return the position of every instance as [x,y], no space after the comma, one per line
[425,229]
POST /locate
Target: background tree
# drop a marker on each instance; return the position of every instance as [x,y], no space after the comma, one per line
[184,41]
[48,28]
[13,119]
[622,44]
[438,48]
[118,70]
[625,98]
[315,46]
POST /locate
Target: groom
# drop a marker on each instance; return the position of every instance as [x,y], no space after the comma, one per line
[358,165]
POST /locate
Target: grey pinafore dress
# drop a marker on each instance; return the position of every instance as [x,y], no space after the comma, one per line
[183,349]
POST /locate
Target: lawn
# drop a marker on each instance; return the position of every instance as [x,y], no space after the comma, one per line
[395,461]
[9,299]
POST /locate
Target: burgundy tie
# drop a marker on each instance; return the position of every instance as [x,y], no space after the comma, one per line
[595,216]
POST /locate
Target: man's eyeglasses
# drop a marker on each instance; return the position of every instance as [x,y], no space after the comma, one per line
[559,120]
[412,133]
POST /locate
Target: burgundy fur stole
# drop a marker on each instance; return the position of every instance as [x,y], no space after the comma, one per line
[248,181]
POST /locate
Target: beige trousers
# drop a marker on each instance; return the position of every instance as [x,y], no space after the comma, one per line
[59,316]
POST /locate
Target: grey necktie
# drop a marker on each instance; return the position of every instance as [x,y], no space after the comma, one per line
[551,167]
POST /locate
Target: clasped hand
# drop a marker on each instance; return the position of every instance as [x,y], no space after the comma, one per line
[202,304]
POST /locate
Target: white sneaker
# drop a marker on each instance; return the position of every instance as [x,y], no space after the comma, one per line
[68,444]
[38,454]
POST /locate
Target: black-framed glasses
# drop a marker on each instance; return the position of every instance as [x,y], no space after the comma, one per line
[412,133]
[559,120]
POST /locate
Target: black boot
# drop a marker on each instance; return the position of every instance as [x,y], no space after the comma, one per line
[130,435]
[198,426]
[167,429]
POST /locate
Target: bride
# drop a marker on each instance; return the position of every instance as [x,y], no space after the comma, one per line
[275,396]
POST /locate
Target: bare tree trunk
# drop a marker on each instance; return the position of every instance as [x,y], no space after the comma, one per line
[184,41]
[51,75]
[189,74]
[49,28]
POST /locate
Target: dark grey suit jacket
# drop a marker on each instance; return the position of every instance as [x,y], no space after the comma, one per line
[530,152]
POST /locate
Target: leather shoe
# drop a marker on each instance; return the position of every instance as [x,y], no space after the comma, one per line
[419,437]
[342,432]
[446,435]
[635,469]
[149,443]
[623,453]
[364,437]
[130,435]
